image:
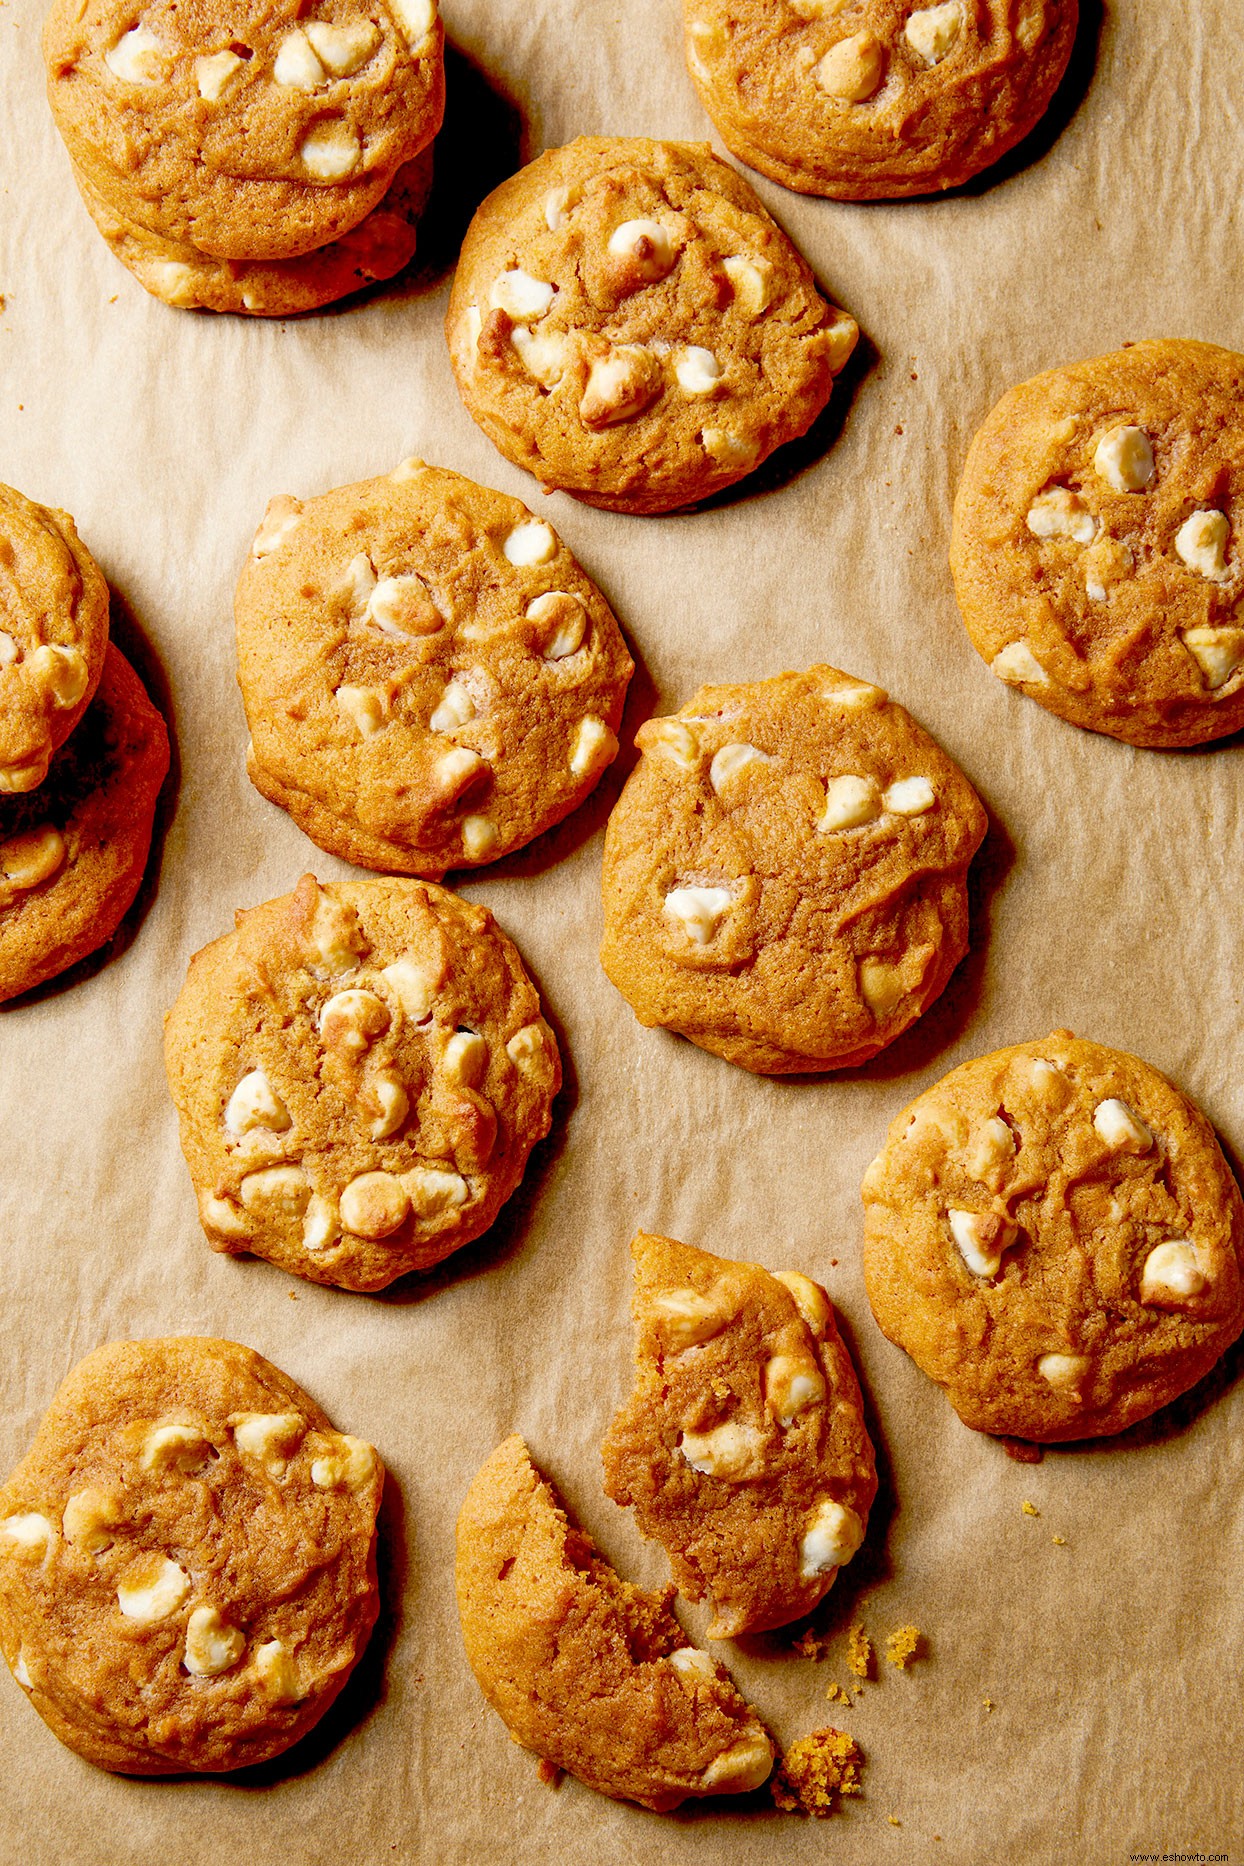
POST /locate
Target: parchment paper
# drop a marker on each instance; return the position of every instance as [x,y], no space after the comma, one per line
[1107,898]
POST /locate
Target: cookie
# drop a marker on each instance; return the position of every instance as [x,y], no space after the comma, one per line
[361,1071]
[742,1448]
[868,100]
[429,677]
[784,874]
[1053,1235]
[251,132]
[582,1667]
[72,853]
[1096,549]
[378,248]
[629,324]
[53,633]
[187,1558]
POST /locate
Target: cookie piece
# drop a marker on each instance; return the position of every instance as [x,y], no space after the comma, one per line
[1053,1235]
[429,677]
[742,1448]
[867,100]
[187,1558]
[53,633]
[784,875]
[249,132]
[629,324]
[584,1668]
[361,1071]
[1097,550]
[72,853]
[378,248]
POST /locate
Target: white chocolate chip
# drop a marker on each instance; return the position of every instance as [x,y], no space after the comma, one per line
[459,771]
[137,57]
[480,837]
[982,1239]
[473,324]
[792,1384]
[752,280]
[413,985]
[32,1533]
[556,208]
[62,672]
[220,1216]
[276,1672]
[909,797]
[1201,543]
[1061,513]
[401,607]
[359,580]
[525,1045]
[321,1226]
[416,18]
[8,649]
[466,1058]
[254,1103]
[850,802]
[454,708]
[1064,1371]
[852,70]
[279,521]
[744,1766]
[333,935]
[351,1020]
[365,707]
[569,622]
[1171,1273]
[543,354]
[882,986]
[1105,562]
[995,1145]
[374,1205]
[523,299]
[531,542]
[152,1590]
[211,74]
[832,1537]
[21,1672]
[670,738]
[1121,1128]
[349,1466]
[90,1518]
[343,49]
[1216,651]
[296,66]
[271,1438]
[619,386]
[276,1191]
[212,1644]
[177,1447]
[692,1664]
[697,370]
[810,1299]
[855,695]
[686,1317]
[594,745]
[932,31]
[389,1091]
[728,450]
[699,911]
[647,245]
[1018,666]
[731,1451]
[1124,459]
[433,1190]
[33,857]
[731,760]
[841,335]
[330,151]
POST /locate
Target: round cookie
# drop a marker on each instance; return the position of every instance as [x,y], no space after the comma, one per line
[1053,1235]
[248,132]
[187,1558]
[361,1071]
[72,853]
[378,248]
[429,678]
[53,633]
[785,872]
[876,99]
[742,1448]
[629,324]
[1096,547]
[583,1668]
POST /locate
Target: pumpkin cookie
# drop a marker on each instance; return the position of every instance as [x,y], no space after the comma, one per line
[582,1667]
[429,677]
[629,324]
[53,633]
[72,853]
[742,1449]
[1053,1235]
[1096,547]
[784,875]
[875,99]
[187,1559]
[361,1071]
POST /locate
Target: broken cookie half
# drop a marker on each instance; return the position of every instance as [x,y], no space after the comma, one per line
[743,1448]
[585,1669]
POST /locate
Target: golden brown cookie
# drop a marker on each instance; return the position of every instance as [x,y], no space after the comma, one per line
[361,1071]
[875,99]
[1096,547]
[187,1558]
[742,1448]
[1053,1235]
[784,875]
[429,677]
[629,324]
[53,633]
[584,1668]
[252,132]
[72,853]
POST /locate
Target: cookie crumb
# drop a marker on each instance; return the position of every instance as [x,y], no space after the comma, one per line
[1060,1542]
[903,1646]
[1030,1509]
[860,1653]
[810,1645]
[894,1820]
[988,1703]
[293,1295]
[549,1773]
[836,1694]
[815,1771]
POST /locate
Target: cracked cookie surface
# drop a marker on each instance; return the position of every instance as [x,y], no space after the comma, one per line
[361,1071]
[187,1558]
[1097,549]
[785,872]
[429,677]
[1053,1235]
[629,324]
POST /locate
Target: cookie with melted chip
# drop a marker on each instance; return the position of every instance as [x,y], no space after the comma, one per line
[1097,548]
[584,1668]
[869,100]
[72,853]
[1053,1235]
[784,874]
[742,1448]
[429,677]
[187,1558]
[629,324]
[361,1071]
[53,633]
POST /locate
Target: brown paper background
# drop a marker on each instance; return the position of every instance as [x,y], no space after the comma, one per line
[1107,898]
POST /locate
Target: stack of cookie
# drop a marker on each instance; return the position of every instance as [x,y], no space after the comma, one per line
[270,165]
